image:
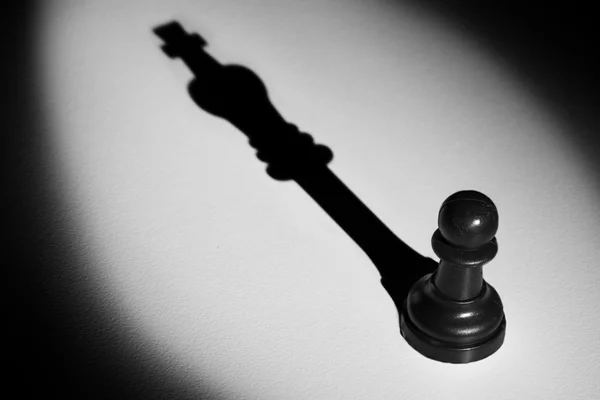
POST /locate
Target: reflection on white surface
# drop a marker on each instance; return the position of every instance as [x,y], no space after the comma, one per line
[244,279]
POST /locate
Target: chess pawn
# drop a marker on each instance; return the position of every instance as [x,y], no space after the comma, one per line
[453,315]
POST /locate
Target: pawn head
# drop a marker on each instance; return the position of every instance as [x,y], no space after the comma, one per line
[468,219]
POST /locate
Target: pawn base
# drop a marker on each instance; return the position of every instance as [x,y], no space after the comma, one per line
[447,352]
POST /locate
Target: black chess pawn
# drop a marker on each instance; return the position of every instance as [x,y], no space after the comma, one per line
[453,315]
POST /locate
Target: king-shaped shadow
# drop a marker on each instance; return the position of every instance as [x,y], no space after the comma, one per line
[239,96]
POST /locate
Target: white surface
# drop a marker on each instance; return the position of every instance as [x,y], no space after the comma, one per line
[245,280]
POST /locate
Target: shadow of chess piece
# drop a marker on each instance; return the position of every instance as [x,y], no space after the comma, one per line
[453,315]
[238,95]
